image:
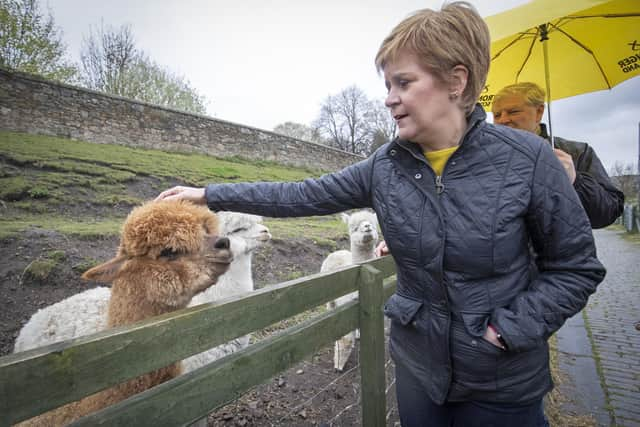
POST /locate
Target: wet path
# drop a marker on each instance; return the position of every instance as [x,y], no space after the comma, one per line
[599,349]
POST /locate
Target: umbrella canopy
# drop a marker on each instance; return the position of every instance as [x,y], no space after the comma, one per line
[569,47]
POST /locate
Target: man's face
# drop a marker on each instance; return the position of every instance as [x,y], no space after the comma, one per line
[513,111]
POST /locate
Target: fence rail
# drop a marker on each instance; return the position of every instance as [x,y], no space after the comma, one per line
[35,381]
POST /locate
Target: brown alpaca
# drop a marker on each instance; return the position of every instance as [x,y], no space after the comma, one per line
[169,251]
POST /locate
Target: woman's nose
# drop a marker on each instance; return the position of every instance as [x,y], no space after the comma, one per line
[391,100]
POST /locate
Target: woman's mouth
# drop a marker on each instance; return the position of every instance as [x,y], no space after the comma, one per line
[399,117]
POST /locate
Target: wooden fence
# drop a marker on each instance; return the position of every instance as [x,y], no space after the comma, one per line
[35,381]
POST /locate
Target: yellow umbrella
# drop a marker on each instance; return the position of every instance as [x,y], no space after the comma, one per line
[569,47]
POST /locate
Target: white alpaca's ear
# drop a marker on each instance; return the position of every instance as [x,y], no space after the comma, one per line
[344,217]
[106,272]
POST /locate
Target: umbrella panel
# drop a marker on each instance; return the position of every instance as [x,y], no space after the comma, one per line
[573,69]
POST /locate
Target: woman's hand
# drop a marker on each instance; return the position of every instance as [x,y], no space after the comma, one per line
[491,335]
[192,194]
[382,249]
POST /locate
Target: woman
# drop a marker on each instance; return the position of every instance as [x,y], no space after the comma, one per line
[458,201]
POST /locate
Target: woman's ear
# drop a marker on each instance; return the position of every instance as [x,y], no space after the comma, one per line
[458,82]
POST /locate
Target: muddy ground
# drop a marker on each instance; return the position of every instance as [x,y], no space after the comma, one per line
[309,394]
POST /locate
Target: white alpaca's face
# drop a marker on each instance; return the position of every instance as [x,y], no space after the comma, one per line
[245,232]
[363,228]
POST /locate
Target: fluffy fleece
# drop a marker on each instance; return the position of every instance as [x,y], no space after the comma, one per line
[86,312]
[169,251]
[246,233]
[363,236]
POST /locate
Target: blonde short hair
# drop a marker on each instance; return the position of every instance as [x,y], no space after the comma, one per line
[533,94]
[455,35]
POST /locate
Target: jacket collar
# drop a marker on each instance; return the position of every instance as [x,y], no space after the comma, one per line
[476,117]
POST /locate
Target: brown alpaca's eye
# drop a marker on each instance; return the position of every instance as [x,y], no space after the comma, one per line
[169,253]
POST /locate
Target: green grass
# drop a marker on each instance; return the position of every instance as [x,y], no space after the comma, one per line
[41,267]
[46,181]
[322,229]
[124,163]
[78,228]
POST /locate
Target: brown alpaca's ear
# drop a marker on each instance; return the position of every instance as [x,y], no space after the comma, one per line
[106,272]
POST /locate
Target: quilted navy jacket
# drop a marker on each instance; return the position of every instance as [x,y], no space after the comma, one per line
[461,246]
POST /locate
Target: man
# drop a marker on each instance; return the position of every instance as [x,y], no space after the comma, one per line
[521,106]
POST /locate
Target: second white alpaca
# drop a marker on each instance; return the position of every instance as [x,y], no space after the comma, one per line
[363,235]
[246,233]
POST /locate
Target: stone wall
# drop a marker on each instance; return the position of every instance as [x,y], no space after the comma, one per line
[33,105]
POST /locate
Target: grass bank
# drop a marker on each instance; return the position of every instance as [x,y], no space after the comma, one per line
[86,189]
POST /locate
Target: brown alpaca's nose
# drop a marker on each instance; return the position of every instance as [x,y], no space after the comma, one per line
[222,243]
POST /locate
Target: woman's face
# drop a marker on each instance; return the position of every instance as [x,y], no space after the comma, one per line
[418,101]
[515,112]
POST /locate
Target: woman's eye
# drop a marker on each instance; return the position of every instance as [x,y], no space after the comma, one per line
[403,83]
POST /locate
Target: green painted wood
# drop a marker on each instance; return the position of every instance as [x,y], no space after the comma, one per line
[193,395]
[372,373]
[389,287]
[385,264]
[41,379]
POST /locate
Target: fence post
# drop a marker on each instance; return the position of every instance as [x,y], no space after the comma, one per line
[372,371]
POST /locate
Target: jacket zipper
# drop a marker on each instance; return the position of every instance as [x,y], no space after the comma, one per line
[439,184]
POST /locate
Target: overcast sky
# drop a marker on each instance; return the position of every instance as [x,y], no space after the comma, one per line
[262,63]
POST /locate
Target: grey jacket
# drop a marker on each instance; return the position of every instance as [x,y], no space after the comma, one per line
[460,243]
[600,198]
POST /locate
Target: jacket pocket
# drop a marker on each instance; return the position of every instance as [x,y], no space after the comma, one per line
[476,325]
[401,308]
[474,360]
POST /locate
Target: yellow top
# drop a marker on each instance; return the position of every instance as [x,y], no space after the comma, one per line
[437,159]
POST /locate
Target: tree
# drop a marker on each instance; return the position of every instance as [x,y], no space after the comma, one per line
[299,131]
[149,82]
[625,176]
[381,124]
[343,120]
[106,57]
[111,63]
[30,42]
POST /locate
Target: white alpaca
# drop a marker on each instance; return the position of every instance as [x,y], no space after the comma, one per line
[363,235]
[81,314]
[169,251]
[86,312]
[246,234]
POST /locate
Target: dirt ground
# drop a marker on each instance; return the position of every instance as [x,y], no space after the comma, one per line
[309,394]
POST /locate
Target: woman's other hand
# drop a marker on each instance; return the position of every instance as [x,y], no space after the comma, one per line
[382,249]
[492,336]
[192,194]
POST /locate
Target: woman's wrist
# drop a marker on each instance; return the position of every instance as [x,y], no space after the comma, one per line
[498,336]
